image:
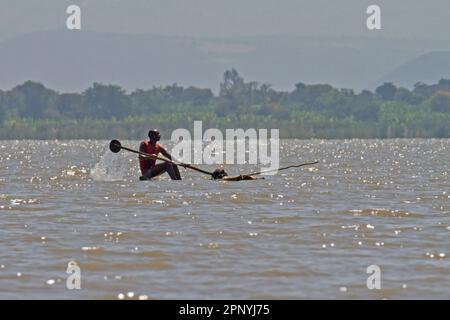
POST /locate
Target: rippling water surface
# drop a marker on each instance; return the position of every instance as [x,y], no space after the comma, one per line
[304,233]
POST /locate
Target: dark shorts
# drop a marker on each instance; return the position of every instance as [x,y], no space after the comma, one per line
[148,174]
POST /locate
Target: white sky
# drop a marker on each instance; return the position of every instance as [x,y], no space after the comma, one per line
[199,18]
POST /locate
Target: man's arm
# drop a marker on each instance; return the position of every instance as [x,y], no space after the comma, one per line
[165,153]
[169,156]
[142,149]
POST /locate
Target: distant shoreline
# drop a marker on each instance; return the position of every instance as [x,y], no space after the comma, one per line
[318,111]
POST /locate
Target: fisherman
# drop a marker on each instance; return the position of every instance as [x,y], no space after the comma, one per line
[149,168]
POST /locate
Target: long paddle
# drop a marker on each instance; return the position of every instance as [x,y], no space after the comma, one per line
[283,168]
[115,146]
[250,175]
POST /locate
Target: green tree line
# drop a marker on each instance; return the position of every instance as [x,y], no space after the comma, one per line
[32,111]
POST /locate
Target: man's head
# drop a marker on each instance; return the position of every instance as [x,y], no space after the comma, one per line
[154,135]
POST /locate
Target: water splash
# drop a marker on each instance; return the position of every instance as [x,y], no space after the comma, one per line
[111,167]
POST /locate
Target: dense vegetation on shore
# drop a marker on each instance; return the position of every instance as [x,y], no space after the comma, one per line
[32,111]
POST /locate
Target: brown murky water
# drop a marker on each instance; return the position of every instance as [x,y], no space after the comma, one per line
[308,233]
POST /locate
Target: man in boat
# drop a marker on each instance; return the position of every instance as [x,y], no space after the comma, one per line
[149,168]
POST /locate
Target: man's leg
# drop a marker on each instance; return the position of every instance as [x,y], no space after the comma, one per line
[172,170]
[155,171]
[177,172]
[160,168]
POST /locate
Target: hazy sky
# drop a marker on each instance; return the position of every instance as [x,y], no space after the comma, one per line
[400,18]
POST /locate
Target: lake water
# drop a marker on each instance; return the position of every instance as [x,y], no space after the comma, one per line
[304,233]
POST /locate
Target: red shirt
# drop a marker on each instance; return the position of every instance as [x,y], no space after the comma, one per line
[146,164]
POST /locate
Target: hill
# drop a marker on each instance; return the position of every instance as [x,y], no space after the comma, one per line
[429,68]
